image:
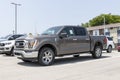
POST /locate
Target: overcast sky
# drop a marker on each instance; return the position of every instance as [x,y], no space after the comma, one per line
[38,15]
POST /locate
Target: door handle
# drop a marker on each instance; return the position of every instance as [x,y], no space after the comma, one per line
[74,39]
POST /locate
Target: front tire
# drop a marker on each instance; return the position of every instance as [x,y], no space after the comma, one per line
[97,53]
[7,54]
[46,56]
[109,50]
[11,53]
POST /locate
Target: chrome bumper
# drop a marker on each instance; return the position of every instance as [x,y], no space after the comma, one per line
[26,54]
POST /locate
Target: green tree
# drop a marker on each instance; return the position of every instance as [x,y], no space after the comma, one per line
[99,20]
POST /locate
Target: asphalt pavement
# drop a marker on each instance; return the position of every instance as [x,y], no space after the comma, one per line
[64,68]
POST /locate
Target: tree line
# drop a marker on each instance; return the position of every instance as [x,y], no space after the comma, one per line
[102,19]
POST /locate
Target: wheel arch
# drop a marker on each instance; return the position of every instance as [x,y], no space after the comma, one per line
[50,46]
[110,45]
[98,44]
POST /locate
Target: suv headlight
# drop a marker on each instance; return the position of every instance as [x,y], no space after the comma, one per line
[8,43]
[31,44]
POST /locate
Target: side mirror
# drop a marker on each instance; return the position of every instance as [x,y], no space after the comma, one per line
[63,35]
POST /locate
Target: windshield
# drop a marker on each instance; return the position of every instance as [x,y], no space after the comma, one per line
[110,38]
[51,31]
[6,37]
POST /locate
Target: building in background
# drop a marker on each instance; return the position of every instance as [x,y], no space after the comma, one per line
[112,30]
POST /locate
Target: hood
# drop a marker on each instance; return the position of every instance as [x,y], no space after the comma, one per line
[3,40]
[36,37]
[26,37]
[7,43]
[47,36]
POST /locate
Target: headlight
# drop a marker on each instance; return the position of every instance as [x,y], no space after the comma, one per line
[8,43]
[31,44]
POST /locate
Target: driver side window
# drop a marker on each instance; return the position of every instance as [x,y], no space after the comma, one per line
[68,30]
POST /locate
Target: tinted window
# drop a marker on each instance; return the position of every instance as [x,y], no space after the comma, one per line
[16,36]
[80,31]
[69,31]
[110,39]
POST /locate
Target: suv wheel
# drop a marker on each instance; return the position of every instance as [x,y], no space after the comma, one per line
[46,56]
[7,54]
[97,53]
[109,50]
[11,53]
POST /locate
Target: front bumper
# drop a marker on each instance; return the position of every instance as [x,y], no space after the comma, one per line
[26,54]
[5,49]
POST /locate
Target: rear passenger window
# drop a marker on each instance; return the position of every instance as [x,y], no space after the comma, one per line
[80,31]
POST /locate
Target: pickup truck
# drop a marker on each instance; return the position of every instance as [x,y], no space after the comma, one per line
[59,41]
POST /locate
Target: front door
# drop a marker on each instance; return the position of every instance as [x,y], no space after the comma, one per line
[67,44]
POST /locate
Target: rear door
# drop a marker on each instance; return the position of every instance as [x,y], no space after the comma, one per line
[82,39]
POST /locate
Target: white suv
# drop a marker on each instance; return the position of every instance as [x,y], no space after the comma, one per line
[110,44]
[7,44]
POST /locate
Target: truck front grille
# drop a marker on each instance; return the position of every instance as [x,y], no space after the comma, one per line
[19,44]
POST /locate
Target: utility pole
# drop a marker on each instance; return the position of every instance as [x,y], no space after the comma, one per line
[16,5]
[104,24]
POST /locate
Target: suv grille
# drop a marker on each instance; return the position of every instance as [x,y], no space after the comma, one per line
[1,48]
[19,44]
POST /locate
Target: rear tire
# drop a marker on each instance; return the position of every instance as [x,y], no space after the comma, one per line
[109,50]
[46,56]
[97,53]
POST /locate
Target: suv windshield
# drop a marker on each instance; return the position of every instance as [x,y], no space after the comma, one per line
[51,31]
[6,37]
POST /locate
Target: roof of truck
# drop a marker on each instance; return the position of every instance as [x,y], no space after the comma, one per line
[72,26]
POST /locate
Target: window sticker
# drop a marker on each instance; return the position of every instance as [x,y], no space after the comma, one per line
[71,31]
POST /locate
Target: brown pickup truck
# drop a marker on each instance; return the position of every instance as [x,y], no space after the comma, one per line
[59,41]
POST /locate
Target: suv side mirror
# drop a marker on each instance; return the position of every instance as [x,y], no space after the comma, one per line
[63,35]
